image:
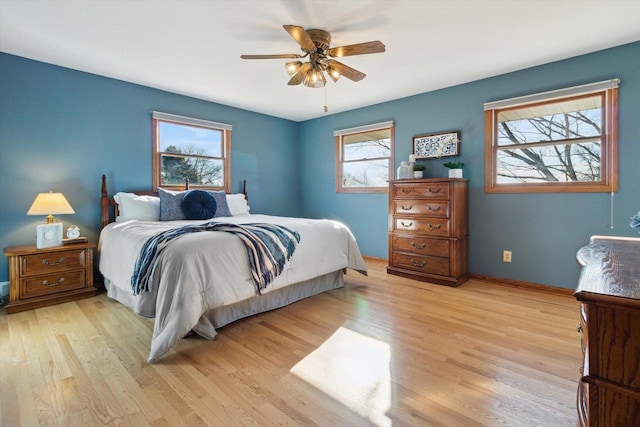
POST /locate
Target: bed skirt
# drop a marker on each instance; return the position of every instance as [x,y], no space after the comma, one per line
[221,316]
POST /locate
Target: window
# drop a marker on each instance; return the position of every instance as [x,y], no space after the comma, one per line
[193,149]
[560,141]
[364,158]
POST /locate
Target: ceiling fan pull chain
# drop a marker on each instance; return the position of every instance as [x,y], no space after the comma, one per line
[325,99]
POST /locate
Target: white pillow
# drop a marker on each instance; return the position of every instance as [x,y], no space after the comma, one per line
[238,204]
[141,208]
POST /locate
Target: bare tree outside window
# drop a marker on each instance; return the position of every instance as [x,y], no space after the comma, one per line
[190,163]
[561,145]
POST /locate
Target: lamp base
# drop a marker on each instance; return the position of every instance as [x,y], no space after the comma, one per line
[48,235]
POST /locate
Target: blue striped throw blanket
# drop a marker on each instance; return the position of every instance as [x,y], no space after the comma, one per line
[269,247]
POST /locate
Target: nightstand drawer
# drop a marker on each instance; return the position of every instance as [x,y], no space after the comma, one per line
[53,283]
[52,261]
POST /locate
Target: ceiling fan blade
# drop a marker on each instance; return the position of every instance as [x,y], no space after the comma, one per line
[300,75]
[280,56]
[348,72]
[357,49]
[301,36]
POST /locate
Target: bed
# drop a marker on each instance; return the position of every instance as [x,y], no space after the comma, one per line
[202,281]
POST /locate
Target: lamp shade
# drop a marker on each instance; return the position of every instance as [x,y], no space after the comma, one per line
[50,204]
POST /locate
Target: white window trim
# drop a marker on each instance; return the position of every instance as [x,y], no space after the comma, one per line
[552,94]
[365,128]
[190,120]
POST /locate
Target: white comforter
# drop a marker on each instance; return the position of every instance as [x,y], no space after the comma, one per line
[201,271]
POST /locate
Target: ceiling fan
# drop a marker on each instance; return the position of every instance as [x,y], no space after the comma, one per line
[315,45]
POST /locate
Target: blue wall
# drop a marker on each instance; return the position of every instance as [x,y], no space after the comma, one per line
[61,129]
[544,231]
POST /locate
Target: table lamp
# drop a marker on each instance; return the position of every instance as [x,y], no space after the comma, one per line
[49,234]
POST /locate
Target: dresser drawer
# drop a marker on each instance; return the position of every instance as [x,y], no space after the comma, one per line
[432,208]
[424,264]
[614,334]
[41,263]
[52,283]
[430,226]
[421,246]
[434,190]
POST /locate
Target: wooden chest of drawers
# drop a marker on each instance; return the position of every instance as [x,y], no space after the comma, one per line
[609,290]
[428,232]
[41,277]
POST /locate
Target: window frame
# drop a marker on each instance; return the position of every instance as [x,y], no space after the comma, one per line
[225,130]
[339,144]
[609,140]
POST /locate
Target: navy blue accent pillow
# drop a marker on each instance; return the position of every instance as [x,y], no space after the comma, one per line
[198,204]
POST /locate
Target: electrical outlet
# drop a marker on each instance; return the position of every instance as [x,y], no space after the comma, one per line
[506,256]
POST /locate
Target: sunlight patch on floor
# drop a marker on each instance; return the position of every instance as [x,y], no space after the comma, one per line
[354,370]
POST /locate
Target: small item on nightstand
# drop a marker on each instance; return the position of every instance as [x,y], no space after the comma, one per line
[73,236]
[74,241]
[73,232]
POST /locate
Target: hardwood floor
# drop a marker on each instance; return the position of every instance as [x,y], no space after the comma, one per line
[384,350]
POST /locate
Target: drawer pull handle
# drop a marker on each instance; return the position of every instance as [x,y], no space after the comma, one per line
[406,190]
[404,208]
[579,329]
[404,224]
[436,209]
[59,282]
[418,246]
[58,262]
[434,227]
[436,191]
[415,264]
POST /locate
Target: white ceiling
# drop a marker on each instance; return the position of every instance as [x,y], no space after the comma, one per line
[194,47]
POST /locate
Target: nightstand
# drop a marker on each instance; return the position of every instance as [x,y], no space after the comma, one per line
[41,277]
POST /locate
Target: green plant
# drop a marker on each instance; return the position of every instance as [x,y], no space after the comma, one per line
[453,165]
[419,167]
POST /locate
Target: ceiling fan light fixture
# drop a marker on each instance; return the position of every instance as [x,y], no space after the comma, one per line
[293,67]
[315,79]
[334,74]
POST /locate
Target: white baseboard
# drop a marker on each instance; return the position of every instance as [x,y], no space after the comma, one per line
[4,288]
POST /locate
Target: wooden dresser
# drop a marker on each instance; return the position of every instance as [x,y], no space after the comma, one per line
[41,277]
[609,290]
[428,232]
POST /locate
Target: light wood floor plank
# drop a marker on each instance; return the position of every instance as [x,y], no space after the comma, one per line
[384,350]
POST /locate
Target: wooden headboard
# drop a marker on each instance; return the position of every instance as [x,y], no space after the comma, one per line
[109,207]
